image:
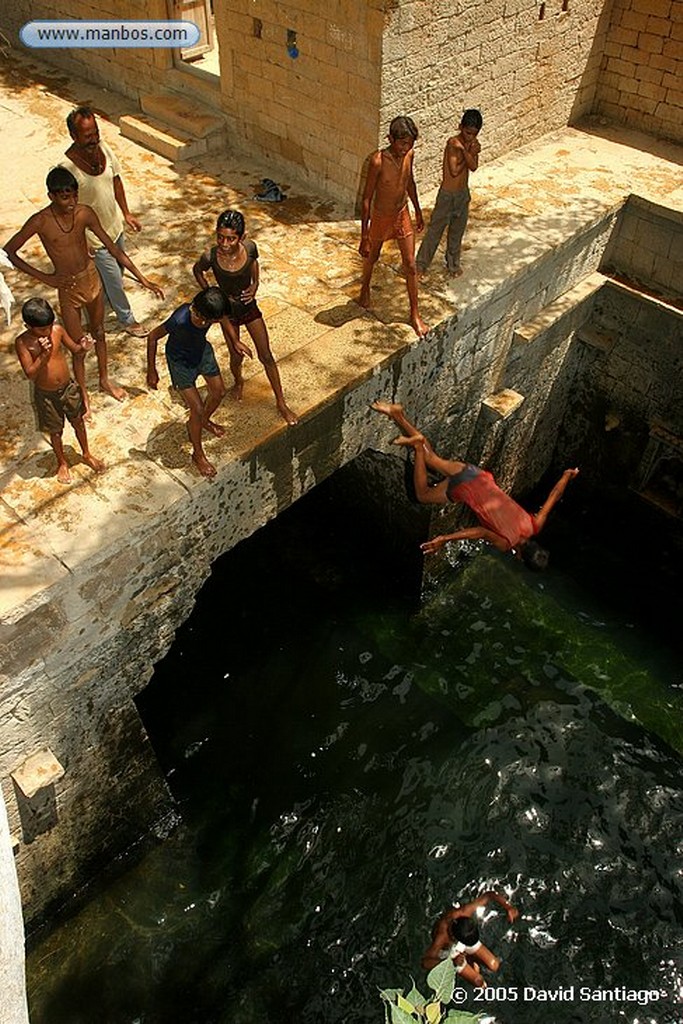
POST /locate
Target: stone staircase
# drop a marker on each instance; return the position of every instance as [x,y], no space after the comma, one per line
[175,127]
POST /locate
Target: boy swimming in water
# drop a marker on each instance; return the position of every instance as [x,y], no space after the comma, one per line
[456,936]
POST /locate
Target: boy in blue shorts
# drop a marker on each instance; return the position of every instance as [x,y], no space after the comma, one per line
[189,355]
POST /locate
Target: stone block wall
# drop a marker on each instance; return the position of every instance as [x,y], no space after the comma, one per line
[641,76]
[128,71]
[529,66]
[647,247]
[317,112]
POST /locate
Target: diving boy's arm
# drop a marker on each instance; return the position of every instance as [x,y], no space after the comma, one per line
[368,192]
[92,222]
[553,498]
[152,339]
[412,195]
[430,547]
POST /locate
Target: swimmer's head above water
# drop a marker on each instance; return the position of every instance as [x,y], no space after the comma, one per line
[464,930]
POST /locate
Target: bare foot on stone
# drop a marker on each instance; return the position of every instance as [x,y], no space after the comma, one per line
[63,473]
[419,326]
[236,391]
[94,463]
[205,467]
[290,418]
[112,389]
[213,428]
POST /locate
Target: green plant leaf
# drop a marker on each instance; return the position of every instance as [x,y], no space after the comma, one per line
[441,979]
[416,998]
[399,1016]
[433,1011]
[390,994]
[462,1017]
[406,1005]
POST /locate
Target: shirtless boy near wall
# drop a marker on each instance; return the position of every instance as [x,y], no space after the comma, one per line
[390,183]
[461,156]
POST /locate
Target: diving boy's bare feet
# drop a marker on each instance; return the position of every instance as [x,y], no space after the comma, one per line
[213,428]
[414,440]
[455,273]
[205,467]
[237,390]
[390,409]
[419,326]
[364,298]
[63,474]
[290,418]
[94,463]
[112,389]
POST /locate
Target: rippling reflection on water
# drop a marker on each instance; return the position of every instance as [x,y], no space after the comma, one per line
[346,768]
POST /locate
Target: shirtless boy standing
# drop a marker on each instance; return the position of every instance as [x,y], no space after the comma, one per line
[61,228]
[390,183]
[41,353]
[461,156]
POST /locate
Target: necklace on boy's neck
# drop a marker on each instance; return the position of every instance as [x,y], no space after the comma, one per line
[65,231]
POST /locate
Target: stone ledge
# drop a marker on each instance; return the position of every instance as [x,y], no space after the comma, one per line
[560,307]
[501,405]
[38,771]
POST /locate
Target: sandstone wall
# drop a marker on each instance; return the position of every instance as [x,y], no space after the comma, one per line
[318,111]
[647,246]
[641,76]
[528,74]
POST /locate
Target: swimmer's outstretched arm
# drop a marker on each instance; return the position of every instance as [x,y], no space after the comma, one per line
[430,547]
[485,899]
[553,498]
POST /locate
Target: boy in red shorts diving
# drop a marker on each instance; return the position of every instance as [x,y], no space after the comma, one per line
[503,523]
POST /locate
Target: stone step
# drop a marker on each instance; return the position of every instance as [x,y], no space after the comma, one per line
[569,302]
[182,114]
[501,405]
[161,138]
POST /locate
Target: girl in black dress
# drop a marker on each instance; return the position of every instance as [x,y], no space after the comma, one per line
[234,264]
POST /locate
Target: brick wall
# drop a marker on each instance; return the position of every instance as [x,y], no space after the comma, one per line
[318,111]
[641,77]
[647,247]
[128,71]
[529,66]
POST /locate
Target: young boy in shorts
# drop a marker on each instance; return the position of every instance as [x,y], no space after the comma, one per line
[390,183]
[461,156]
[61,228]
[189,355]
[57,397]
